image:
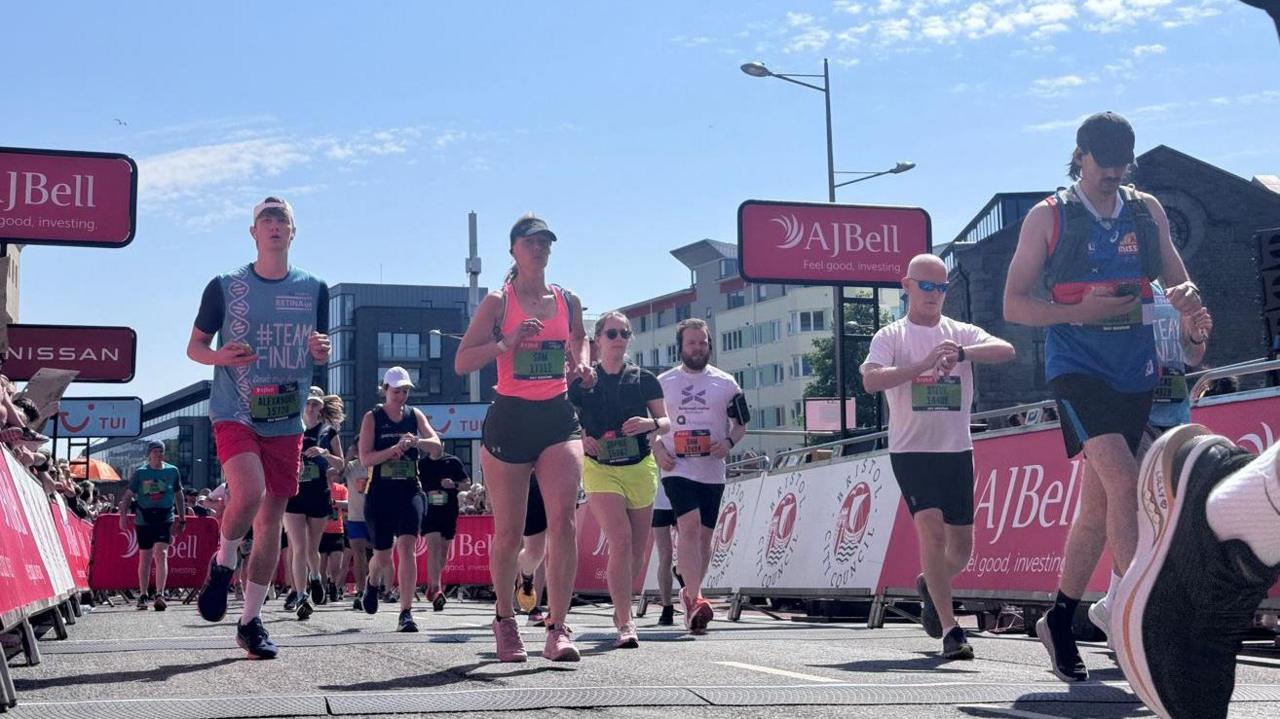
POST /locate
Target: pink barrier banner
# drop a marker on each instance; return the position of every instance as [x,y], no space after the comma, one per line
[114,565]
[77,539]
[23,577]
[593,556]
[468,561]
[1026,495]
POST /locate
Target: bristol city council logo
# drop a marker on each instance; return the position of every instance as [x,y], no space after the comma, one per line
[778,544]
[725,539]
[851,532]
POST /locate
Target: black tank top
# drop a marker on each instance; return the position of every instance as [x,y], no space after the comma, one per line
[313,470]
[386,434]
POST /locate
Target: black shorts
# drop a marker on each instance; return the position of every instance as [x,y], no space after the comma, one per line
[535,512]
[1089,407]
[517,430]
[687,495]
[312,500]
[149,535]
[663,518]
[393,508]
[332,542]
[937,480]
[441,519]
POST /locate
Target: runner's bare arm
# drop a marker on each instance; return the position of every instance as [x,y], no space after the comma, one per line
[232,354]
[478,346]
[580,349]
[1020,304]
[993,351]
[1180,290]
[428,440]
[878,378]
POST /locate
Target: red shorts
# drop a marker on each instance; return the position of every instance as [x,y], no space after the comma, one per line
[281,457]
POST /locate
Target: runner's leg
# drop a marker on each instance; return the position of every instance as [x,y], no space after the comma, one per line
[509,494]
[144,571]
[662,538]
[437,551]
[408,569]
[610,512]
[559,470]
[932,536]
[1118,471]
[295,525]
[161,554]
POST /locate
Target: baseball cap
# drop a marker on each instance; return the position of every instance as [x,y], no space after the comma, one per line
[273,203]
[154,445]
[397,377]
[530,225]
[1108,137]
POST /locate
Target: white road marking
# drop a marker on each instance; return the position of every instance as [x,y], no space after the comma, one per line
[780,672]
[1012,713]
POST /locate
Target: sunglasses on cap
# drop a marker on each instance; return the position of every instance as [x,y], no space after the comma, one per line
[613,334]
[927,286]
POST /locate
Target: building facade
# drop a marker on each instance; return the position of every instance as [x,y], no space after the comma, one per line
[181,421]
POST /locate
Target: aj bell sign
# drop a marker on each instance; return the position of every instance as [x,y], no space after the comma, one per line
[53,197]
[813,243]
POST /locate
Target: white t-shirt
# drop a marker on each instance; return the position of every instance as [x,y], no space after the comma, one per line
[698,405]
[660,501]
[356,476]
[927,414]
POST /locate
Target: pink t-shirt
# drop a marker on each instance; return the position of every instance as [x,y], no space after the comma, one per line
[929,413]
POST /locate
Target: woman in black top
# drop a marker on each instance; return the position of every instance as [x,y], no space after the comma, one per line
[308,511]
[619,474]
[392,438]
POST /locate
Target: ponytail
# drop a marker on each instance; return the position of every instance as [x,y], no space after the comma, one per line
[511,274]
[333,411]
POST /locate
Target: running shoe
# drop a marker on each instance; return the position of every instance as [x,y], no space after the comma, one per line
[1187,601]
[407,624]
[305,609]
[627,637]
[437,602]
[668,616]
[507,635]
[159,604]
[537,617]
[291,601]
[390,596]
[559,645]
[253,638]
[142,602]
[1064,657]
[1100,617]
[212,602]
[356,604]
[524,593]
[955,645]
[370,600]
[334,596]
[702,616]
[316,589]
[928,611]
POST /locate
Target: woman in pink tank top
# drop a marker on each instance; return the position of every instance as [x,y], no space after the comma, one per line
[534,331]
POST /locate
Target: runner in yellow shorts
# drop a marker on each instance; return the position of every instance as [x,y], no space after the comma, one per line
[618,415]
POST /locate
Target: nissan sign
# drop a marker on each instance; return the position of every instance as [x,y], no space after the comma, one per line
[99,354]
[810,243]
[52,197]
[96,417]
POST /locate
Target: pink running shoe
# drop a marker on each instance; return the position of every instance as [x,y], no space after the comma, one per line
[510,646]
[702,616]
[627,637]
[559,647]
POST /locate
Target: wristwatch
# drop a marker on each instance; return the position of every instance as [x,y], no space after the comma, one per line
[960,355]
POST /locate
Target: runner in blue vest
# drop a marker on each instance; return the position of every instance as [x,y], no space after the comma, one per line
[157,488]
[1094,248]
[270,319]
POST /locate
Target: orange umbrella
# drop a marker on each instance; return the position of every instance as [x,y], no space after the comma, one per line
[94,469]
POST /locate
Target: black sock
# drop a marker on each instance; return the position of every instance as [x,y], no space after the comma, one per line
[1064,608]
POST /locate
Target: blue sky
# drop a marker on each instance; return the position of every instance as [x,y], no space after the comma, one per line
[628,126]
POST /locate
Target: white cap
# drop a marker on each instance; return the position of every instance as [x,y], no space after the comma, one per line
[397,377]
[270,204]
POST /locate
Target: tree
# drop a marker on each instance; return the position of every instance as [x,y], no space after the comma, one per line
[859,325]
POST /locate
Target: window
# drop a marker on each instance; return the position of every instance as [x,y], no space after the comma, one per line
[771,374]
[342,310]
[341,379]
[684,312]
[735,299]
[399,345]
[640,358]
[435,380]
[341,346]
[797,412]
[773,417]
[763,293]
[434,340]
[800,366]
[642,323]
[653,355]
[414,375]
[767,332]
[664,318]
[673,354]
[808,321]
[746,378]
[730,341]
[728,268]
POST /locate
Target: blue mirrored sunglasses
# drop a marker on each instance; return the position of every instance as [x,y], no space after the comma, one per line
[926,286]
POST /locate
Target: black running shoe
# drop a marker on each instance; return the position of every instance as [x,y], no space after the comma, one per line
[317,591]
[928,611]
[334,596]
[668,616]
[370,600]
[1188,599]
[356,604]
[291,601]
[142,602]
[406,622]
[1064,657]
[438,602]
[955,645]
[305,609]
[253,638]
[213,595]
[159,604]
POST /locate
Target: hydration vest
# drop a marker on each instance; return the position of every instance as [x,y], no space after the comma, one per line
[1068,259]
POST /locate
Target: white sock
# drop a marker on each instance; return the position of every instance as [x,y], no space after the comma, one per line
[1246,506]
[1111,589]
[255,595]
[227,552]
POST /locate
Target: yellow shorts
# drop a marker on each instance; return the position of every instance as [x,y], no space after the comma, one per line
[638,483]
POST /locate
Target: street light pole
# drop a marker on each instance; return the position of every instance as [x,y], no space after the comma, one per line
[473,302]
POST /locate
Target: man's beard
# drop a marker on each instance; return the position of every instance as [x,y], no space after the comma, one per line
[695,363]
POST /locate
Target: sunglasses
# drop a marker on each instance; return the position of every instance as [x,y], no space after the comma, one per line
[613,334]
[926,286]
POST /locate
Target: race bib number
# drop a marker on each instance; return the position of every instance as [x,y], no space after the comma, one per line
[334,512]
[693,442]
[935,394]
[310,472]
[437,498]
[399,469]
[619,449]
[540,360]
[275,402]
[154,490]
[1172,388]
[1135,317]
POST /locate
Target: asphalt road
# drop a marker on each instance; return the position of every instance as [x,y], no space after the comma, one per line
[119,662]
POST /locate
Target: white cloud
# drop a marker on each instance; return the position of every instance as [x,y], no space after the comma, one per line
[1143,50]
[1057,86]
[799,19]
[186,173]
[849,6]
[812,39]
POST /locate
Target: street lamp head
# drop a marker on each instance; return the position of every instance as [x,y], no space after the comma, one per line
[756,69]
[436,333]
[902,167]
